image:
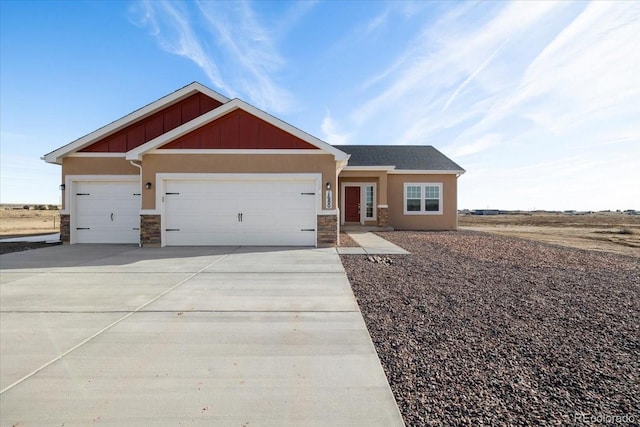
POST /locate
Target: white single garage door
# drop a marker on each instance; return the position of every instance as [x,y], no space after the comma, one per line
[107,212]
[265,212]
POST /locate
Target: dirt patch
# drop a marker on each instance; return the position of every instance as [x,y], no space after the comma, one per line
[608,232]
[481,329]
[347,242]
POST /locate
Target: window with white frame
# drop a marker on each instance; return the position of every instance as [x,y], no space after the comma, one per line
[423,198]
[368,202]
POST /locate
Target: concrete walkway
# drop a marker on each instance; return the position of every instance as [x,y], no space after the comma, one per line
[120,335]
[371,244]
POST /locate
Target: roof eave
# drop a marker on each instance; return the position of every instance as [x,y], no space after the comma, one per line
[427,172]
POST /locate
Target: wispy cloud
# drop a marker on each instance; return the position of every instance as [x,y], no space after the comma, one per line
[171,25]
[227,41]
[517,87]
[331,132]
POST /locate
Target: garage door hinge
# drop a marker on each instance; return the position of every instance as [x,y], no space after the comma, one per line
[83,228]
[82,194]
[171,193]
[308,229]
[171,229]
[137,194]
[308,194]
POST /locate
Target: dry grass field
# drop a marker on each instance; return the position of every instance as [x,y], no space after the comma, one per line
[607,231]
[20,222]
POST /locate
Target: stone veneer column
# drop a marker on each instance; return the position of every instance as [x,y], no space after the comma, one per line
[383,217]
[65,228]
[327,230]
[150,230]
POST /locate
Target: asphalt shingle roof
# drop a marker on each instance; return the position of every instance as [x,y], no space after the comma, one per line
[403,157]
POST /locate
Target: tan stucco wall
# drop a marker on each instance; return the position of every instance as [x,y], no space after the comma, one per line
[235,163]
[399,221]
[96,166]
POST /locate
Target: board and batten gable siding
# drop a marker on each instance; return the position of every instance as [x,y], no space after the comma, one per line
[235,164]
[150,127]
[239,130]
[446,221]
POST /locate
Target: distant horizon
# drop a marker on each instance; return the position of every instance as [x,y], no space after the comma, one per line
[537,101]
[17,205]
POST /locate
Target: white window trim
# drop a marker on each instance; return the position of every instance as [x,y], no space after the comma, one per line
[363,186]
[422,185]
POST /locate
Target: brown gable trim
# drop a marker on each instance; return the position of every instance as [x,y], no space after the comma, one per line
[155,125]
[239,129]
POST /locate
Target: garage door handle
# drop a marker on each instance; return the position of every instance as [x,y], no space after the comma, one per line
[308,194]
[81,228]
[307,229]
[239,217]
[171,229]
[111,216]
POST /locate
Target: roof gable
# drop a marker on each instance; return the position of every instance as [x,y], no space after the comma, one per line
[154,125]
[116,143]
[239,129]
[233,105]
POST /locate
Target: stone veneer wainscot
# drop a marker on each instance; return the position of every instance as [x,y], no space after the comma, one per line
[327,230]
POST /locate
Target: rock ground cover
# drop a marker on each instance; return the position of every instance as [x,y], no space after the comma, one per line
[480,329]
[8,247]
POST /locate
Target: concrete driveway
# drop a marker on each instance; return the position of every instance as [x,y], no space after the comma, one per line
[120,335]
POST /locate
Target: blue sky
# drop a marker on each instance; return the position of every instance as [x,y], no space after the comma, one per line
[538,101]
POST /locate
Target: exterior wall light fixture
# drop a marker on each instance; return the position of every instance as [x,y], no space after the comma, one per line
[147,186]
[62,187]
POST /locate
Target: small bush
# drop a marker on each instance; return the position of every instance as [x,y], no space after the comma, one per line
[53,207]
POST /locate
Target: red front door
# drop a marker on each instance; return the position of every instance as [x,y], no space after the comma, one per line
[351,204]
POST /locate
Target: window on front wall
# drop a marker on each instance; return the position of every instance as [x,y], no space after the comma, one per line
[423,198]
[368,202]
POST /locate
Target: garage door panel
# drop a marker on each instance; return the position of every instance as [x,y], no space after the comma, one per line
[107,212]
[274,212]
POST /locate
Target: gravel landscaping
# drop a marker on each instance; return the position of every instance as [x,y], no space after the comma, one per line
[480,329]
[8,247]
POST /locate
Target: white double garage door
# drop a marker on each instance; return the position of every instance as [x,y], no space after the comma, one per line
[264,211]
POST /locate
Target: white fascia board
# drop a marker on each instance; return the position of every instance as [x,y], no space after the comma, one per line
[233,151]
[98,154]
[369,168]
[138,152]
[426,172]
[56,155]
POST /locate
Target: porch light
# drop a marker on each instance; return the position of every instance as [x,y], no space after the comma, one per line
[147,186]
[62,187]
[328,186]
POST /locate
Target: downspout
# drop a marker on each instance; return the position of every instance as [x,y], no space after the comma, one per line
[139,166]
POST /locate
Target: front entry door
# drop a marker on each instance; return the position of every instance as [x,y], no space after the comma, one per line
[352,204]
